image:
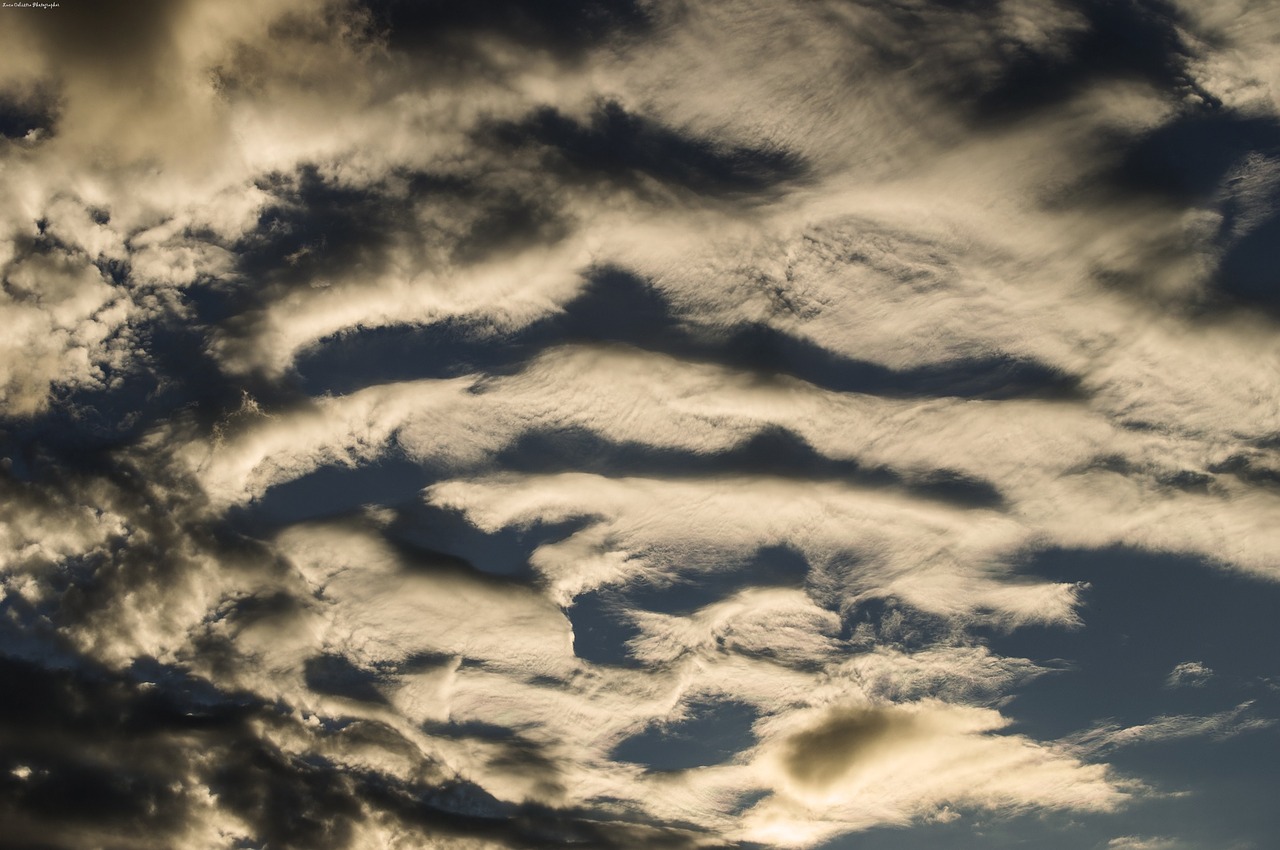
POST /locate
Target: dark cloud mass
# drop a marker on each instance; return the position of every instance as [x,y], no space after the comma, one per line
[670,423]
[818,756]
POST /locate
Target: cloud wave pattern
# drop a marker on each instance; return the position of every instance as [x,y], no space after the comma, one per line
[669,423]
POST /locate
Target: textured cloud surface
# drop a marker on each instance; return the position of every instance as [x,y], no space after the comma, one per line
[660,423]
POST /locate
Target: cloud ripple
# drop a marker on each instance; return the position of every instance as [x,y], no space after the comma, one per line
[411,412]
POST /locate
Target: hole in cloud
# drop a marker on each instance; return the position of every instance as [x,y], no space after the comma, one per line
[613,306]
[765,348]
[1118,41]
[601,629]
[769,566]
[623,147]
[22,117]
[1247,271]
[1144,615]
[507,224]
[1188,158]
[318,229]
[335,676]
[335,490]
[447,533]
[709,733]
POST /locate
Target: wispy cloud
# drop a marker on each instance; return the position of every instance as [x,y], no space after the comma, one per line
[1220,726]
[1135,842]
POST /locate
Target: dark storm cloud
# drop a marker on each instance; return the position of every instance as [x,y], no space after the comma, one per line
[103,762]
[289,802]
[312,802]
[119,548]
[90,754]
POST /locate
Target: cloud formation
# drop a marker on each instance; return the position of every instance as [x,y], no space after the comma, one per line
[1223,724]
[421,420]
[1188,674]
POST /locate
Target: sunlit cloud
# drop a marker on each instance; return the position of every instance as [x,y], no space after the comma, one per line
[1220,726]
[1188,674]
[637,424]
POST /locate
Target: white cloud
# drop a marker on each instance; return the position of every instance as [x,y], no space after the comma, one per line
[1069,476]
[865,543]
[1225,724]
[1234,53]
[1136,842]
[1189,674]
[914,234]
[377,608]
[783,623]
[64,326]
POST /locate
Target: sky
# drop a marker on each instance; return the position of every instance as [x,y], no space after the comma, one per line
[639,424]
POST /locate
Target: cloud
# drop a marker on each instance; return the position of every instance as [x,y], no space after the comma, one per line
[1188,674]
[372,593]
[405,627]
[1235,55]
[1088,484]
[1135,842]
[747,355]
[783,624]
[1219,726]
[864,544]
[853,765]
[67,328]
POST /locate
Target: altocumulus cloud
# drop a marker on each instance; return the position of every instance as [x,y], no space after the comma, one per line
[617,424]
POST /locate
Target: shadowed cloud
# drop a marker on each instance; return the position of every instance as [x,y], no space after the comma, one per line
[816,757]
